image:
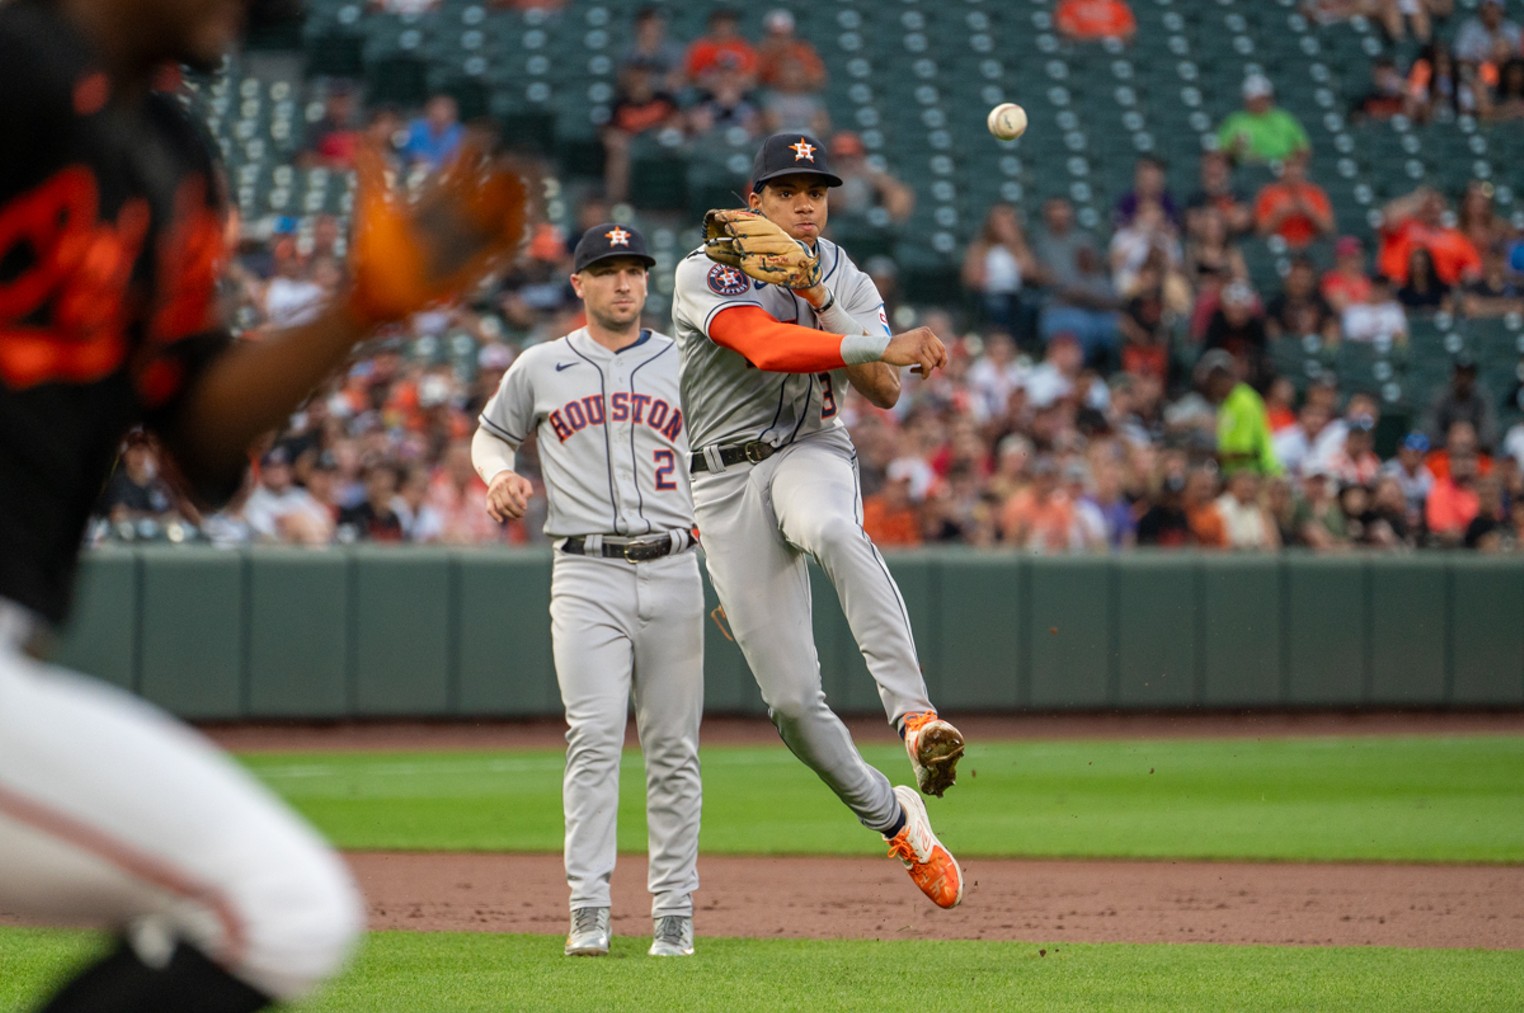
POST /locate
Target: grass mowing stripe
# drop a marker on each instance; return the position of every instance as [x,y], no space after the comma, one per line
[1458,799]
[465,972]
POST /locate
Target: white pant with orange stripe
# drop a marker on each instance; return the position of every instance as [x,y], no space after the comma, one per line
[113,813]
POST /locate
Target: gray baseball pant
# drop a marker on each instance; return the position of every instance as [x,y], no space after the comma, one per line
[618,627]
[759,523]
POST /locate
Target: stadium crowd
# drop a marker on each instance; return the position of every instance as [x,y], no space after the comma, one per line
[1104,390]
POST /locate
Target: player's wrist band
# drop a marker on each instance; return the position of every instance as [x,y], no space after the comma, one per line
[857,349]
[830,301]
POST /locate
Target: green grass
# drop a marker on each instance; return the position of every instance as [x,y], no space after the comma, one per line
[460,972]
[1362,798]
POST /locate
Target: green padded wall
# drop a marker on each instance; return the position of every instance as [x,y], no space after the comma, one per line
[1408,639]
[502,632]
[193,628]
[1243,643]
[918,575]
[1068,633]
[1487,632]
[400,646]
[1158,648]
[373,632]
[1327,629]
[102,635]
[972,645]
[299,630]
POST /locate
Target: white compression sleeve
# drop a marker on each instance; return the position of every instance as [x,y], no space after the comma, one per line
[857,347]
[491,455]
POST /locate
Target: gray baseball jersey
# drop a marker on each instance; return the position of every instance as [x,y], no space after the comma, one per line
[727,399]
[614,451]
[761,522]
[613,440]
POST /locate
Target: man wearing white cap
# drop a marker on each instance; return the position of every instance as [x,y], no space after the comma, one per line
[1261,131]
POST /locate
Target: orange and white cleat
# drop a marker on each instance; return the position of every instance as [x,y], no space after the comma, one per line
[931,866]
[934,746]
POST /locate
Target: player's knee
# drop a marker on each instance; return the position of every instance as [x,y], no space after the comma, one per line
[300,924]
[823,532]
[795,706]
[595,742]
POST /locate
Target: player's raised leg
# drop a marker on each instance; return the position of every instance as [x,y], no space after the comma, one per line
[816,498]
[223,896]
[593,655]
[764,586]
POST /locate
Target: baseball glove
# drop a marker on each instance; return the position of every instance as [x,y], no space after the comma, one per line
[407,255]
[747,240]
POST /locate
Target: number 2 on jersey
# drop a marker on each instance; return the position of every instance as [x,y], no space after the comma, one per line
[827,397]
[666,466]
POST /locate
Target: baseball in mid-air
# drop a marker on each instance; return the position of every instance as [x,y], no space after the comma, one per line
[1007,121]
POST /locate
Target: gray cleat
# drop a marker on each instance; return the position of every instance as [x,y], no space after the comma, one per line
[589,935]
[672,936]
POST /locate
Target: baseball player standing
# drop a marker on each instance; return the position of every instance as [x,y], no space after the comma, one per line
[111,225]
[626,604]
[771,324]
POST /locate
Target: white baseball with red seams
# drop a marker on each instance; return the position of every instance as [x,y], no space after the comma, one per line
[1007,121]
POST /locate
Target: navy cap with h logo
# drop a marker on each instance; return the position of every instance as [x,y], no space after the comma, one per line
[789,154]
[610,240]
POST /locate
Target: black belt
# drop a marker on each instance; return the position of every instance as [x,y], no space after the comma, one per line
[754,452]
[633,551]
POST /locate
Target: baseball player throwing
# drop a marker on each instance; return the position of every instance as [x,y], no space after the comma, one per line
[626,604]
[111,220]
[773,319]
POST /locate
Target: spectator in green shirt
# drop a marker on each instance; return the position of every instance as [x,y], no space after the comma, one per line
[1261,131]
[1243,425]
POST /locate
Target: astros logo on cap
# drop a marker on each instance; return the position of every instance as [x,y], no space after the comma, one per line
[617,237]
[803,150]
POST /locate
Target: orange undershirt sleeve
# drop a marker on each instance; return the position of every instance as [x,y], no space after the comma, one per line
[775,346]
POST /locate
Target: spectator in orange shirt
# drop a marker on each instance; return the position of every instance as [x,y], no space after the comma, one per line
[456,493]
[891,516]
[639,106]
[1418,219]
[1040,517]
[1453,502]
[781,48]
[1201,513]
[1294,207]
[1091,20]
[1347,283]
[724,38]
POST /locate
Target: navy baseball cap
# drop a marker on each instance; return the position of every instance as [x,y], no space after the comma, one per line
[610,240]
[791,154]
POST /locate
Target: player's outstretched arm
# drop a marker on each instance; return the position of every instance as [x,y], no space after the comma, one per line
[406,256]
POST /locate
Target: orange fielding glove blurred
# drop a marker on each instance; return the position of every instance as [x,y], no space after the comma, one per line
[408,255]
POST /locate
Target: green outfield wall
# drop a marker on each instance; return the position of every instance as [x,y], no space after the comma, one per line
[386,632]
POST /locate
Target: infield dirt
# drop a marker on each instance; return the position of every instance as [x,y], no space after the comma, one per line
[1039,901]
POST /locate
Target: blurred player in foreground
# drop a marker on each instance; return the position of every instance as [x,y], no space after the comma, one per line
[772,323]
[626,604]
[111,225]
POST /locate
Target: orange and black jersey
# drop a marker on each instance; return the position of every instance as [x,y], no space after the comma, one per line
[111,246]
